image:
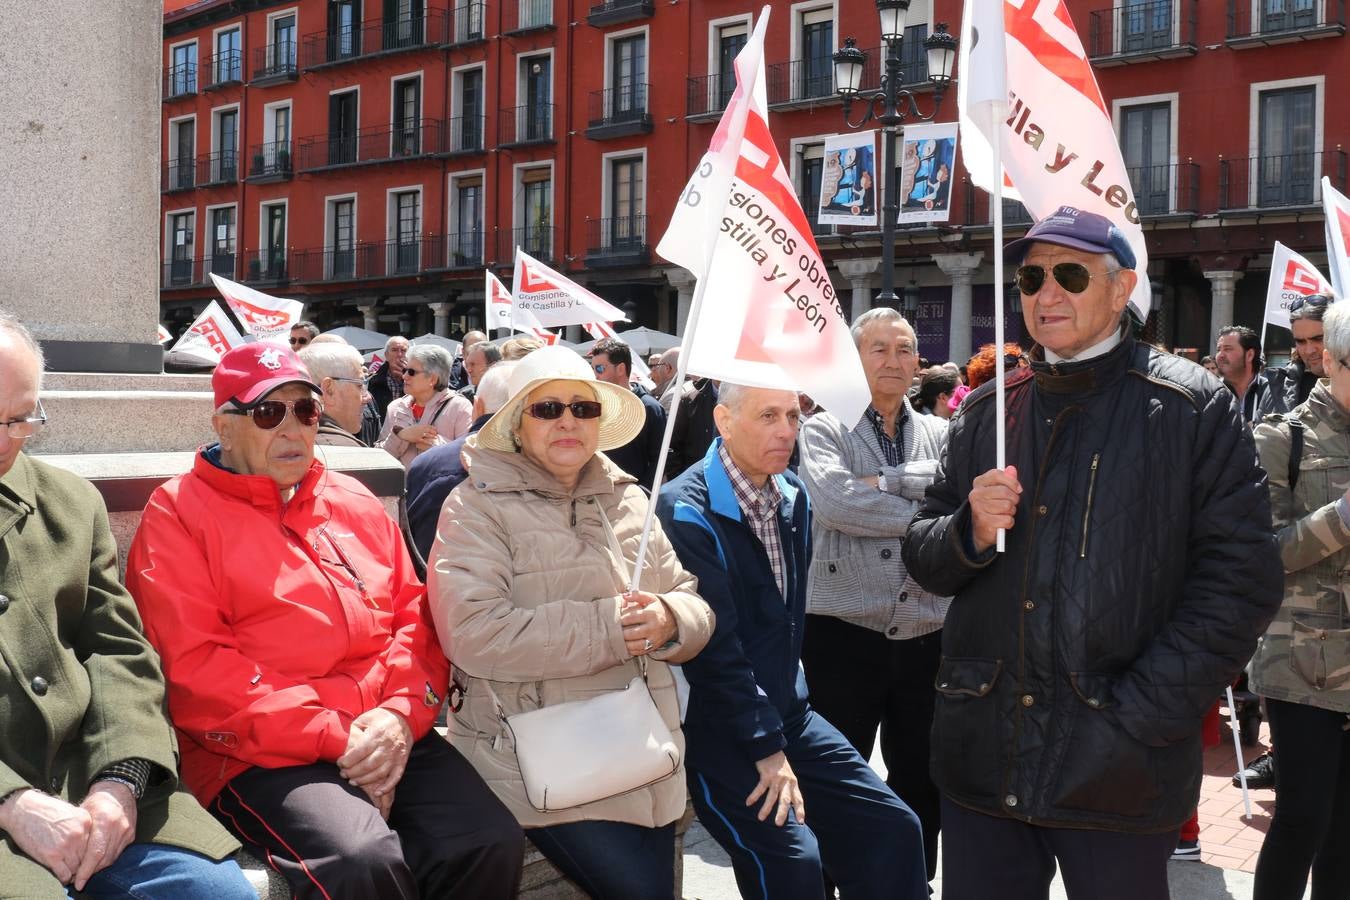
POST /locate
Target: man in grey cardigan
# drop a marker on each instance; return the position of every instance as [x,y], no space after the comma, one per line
[873,635]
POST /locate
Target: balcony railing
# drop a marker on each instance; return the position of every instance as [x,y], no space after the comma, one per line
[612,12]
[180,273]
[617,241]
[1166,190]
[466,134]
[1288,180]
[536,240]
[526,15]
[465,249]
[800,81]
[267,265]
[708,95]
[467,24]
[326,48]
[180,81]
[275,62]
[223,68]
[218,168]
[383,259]
[1154,30]
[413,139]
[179,175]
[619,111]
[270,161]
[1278,21]
[525,125]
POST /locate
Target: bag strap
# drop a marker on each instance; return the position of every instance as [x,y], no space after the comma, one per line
[1295,448]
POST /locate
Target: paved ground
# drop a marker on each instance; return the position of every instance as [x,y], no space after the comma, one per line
[1229,844]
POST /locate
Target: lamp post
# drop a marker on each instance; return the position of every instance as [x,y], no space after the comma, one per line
[891,107]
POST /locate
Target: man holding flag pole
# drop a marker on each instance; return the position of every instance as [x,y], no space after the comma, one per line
[1140,566]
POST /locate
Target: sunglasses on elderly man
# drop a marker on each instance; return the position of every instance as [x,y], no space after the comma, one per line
[300,341]
[270,414]
[1312,301]
[553,409]
[1073,277]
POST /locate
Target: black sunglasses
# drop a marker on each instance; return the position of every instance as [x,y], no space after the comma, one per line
[1312,301]
[1073,277]
[410,372]
[270,414]
[553,409]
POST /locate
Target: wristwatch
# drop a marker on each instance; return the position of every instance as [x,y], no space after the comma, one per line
[881,481]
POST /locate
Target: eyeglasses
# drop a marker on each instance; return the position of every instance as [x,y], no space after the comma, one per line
[22,429]
[1073,277]
[1312,301]
[299,341]
[270,414]
[553,409]
[600,368]
[409,372]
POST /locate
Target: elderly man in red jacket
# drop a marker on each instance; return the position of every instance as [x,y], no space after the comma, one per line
[304,676]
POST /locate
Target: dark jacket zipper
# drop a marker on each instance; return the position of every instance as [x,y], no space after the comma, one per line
[1087,513]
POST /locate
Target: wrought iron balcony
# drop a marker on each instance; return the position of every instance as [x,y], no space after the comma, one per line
[218,168]
[413,139]
[913,62]
[536,240]
[521,125]
[394,258]
[1160,29]
[180,81]
[466,135]
[183,273]
[802,82]
[223,69]
[465,249]
[1169,190]
[619,111]
[1283,21]
[708,95]
[467,24]
[266,266]
[619,241]
[1287,180]
[526,15]
[613,12]
[179,175]
[329,48]
[270,161]
[275,63]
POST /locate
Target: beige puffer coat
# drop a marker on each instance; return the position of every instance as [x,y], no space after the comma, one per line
[524,592]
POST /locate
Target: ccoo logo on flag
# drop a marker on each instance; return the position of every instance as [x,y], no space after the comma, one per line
[1298,278]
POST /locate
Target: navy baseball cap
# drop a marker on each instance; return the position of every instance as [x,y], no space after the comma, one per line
[1076,228]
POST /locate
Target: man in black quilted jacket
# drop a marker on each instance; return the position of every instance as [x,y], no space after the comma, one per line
[1140,570]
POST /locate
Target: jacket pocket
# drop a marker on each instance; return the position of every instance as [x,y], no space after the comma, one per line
[970,731]
[967,677]
[1320,656]
[836,588]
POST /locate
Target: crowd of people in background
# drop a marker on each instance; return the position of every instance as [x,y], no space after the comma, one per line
[1038,647]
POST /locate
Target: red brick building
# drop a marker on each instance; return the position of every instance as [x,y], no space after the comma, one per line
[371,157]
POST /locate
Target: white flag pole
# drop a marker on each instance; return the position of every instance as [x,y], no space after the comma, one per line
[1000,449]
[1237,749]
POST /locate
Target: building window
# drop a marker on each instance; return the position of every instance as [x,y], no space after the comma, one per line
[536,233]
[183,69]
[407,124]
[1287,164]
[344,30]
[229,62]
[810,175]
[225,164]
[342,128]
[222,241]
[1145,25]
[183,154]
[534,14]
[537,115]
[730,41]
[627,222]
[1146,138]
[403,24]
[407,226]
[815,70]
[344,238]
[283,39]
[467,246]
[274,242]
[1288,15]
[180,248]
[628,77]
[468,128]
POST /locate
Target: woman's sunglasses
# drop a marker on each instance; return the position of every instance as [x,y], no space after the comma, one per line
[271,413]
[1073,277]
[553,409]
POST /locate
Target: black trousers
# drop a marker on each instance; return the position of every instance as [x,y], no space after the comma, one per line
[984,857]
[612,860]
[860,681]
[447,834]
[1311,827]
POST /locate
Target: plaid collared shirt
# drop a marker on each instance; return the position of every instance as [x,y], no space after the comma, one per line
[760,506]
[893,450]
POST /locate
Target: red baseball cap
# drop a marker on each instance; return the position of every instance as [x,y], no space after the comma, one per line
[249,373]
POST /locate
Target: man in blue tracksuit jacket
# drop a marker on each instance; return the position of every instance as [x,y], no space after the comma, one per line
[761,763]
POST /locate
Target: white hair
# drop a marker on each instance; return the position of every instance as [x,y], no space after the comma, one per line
[330,360]
[1336,330]
[878,314]
[10,323]
[434,359]
[492,387]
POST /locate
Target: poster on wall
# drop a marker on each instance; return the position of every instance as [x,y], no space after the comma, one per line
[926,162]
[848,181]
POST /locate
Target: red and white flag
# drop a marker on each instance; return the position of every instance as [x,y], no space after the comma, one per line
[209,338]
[164,335]
[554,299]
[1291,277]
[265,317]
[639,371]
[1337,207]
[1058,144]
[499,302]
[739,228]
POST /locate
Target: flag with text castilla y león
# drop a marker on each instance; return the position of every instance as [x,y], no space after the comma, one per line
[502,312]
[554,299]
[1291,277]
[209,338]
[1337,207]
[265,317]
[771,317]
[1058,145]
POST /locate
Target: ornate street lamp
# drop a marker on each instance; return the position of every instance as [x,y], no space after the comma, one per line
[891,106]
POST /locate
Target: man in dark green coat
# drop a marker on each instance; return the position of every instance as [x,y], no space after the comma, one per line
[89,793]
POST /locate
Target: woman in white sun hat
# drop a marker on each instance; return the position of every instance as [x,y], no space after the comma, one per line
[527,583]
